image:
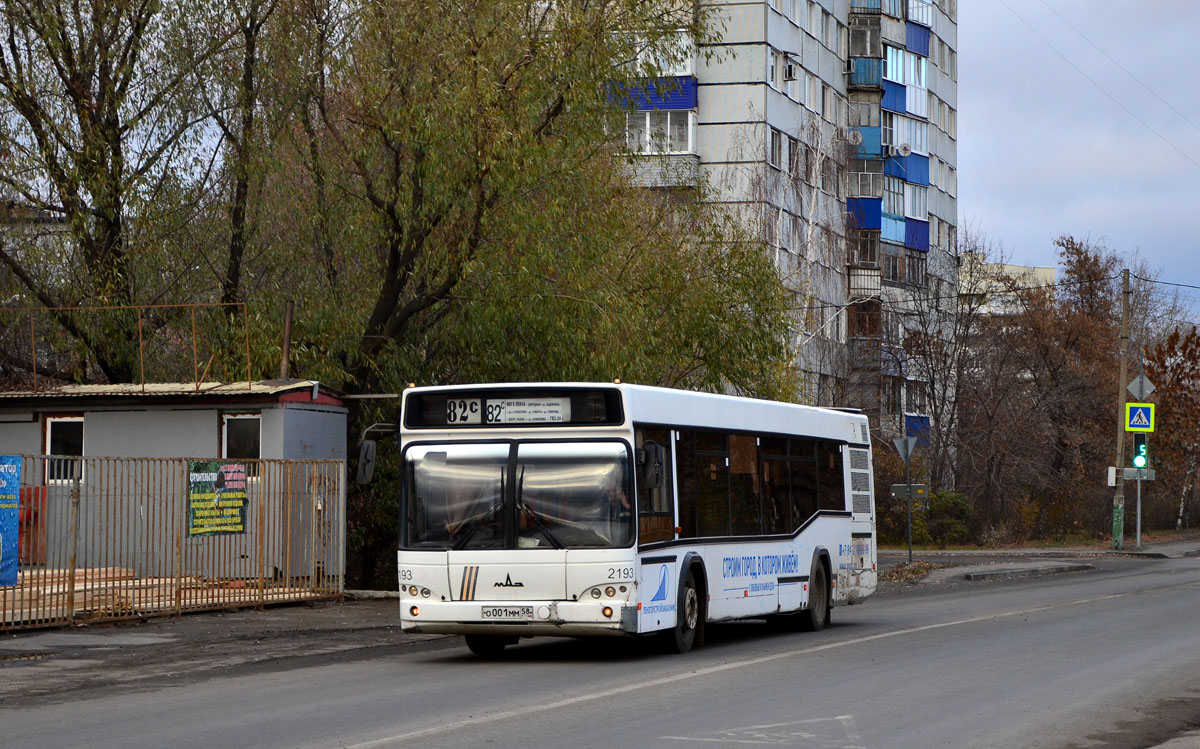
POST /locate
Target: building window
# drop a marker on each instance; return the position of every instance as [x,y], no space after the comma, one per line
[915,73]
[891,263]
[64,438]
[887,128]
[241,439]
[917,135]
[814,93]
[658,132]
[893,196]
[865,319]
[916,203]
[773,65]
[669,57]
[915,393]
[894,8]
[893,64]
[795,158]
[866,248]
[866,185]
[920,11]
[915,268]
[775,148]
[891,399]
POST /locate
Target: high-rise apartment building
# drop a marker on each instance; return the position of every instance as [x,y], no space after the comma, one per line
[831,126]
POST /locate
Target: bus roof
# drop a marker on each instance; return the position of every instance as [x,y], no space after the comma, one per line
[645,404]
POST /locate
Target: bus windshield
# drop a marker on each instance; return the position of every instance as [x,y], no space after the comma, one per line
[550,495]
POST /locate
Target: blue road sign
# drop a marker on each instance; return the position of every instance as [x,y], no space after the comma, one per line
[1139,417]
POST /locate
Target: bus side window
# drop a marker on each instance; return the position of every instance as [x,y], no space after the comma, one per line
[656,510]
[685,450]
[833,480]
[804,478]
[744,490]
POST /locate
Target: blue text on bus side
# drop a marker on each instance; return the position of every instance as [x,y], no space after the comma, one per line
[861,549]
[761,564]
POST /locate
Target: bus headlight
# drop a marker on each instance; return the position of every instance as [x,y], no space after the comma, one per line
[610,591]
[595,592]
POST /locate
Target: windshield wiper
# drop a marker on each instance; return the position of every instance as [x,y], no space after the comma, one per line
[533,515]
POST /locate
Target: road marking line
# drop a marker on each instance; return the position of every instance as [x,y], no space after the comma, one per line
[720,668]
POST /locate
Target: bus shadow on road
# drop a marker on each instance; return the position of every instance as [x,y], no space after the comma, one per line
[719,636]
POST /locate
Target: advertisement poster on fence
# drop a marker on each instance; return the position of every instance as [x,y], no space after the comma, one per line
[216,498]
[10,506]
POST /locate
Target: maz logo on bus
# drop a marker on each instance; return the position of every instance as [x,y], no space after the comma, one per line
[508,583]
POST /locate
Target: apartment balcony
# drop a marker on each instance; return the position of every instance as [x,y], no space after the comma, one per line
[865,281]
[866,72]
[673,170]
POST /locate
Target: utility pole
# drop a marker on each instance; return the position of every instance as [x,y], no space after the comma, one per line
[1119,497]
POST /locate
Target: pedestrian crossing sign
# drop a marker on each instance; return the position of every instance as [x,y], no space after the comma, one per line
[1139,417]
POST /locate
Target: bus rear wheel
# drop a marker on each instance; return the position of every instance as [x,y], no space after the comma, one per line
[816,616]
[488,645]
[689,620]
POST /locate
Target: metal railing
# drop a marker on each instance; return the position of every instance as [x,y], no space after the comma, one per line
[114,538]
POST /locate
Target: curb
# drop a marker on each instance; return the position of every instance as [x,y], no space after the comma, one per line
[1008,574]
[367,595]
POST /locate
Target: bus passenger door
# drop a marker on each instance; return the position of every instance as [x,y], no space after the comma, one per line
[655,480]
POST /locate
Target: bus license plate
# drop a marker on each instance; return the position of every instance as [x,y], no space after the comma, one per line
[508,613]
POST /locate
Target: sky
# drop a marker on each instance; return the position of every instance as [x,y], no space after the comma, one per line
[1044,151]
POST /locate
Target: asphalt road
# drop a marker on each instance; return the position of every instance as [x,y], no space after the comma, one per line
[1099,658]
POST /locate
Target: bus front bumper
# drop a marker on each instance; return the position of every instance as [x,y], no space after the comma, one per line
[519,618]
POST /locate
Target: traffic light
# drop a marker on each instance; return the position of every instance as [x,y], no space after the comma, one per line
[1141,451]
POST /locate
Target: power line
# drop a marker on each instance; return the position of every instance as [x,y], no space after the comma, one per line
[1001,290]
[1100,88]
[1165,283]
[1121,67]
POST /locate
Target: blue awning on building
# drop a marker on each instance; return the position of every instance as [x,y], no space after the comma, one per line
[678,93]
[917,39]
[892,228]
[894,97]
[865,212]
[867,71]
[871,146]
[917,426]
[916,234]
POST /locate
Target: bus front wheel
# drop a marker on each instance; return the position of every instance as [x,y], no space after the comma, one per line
[689,624]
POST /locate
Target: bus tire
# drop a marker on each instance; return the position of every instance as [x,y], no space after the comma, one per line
[816,615]
[689,620]
[488,646]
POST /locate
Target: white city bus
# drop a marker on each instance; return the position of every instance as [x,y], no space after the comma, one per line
[612,509]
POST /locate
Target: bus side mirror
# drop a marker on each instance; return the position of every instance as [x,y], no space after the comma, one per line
[650,465]
[366,462]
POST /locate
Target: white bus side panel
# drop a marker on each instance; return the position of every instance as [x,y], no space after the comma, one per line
[659,592]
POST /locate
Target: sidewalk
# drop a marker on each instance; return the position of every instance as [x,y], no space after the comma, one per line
[42,663]
[999,564]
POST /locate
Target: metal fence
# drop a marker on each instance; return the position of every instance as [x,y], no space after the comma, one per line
[114,538]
